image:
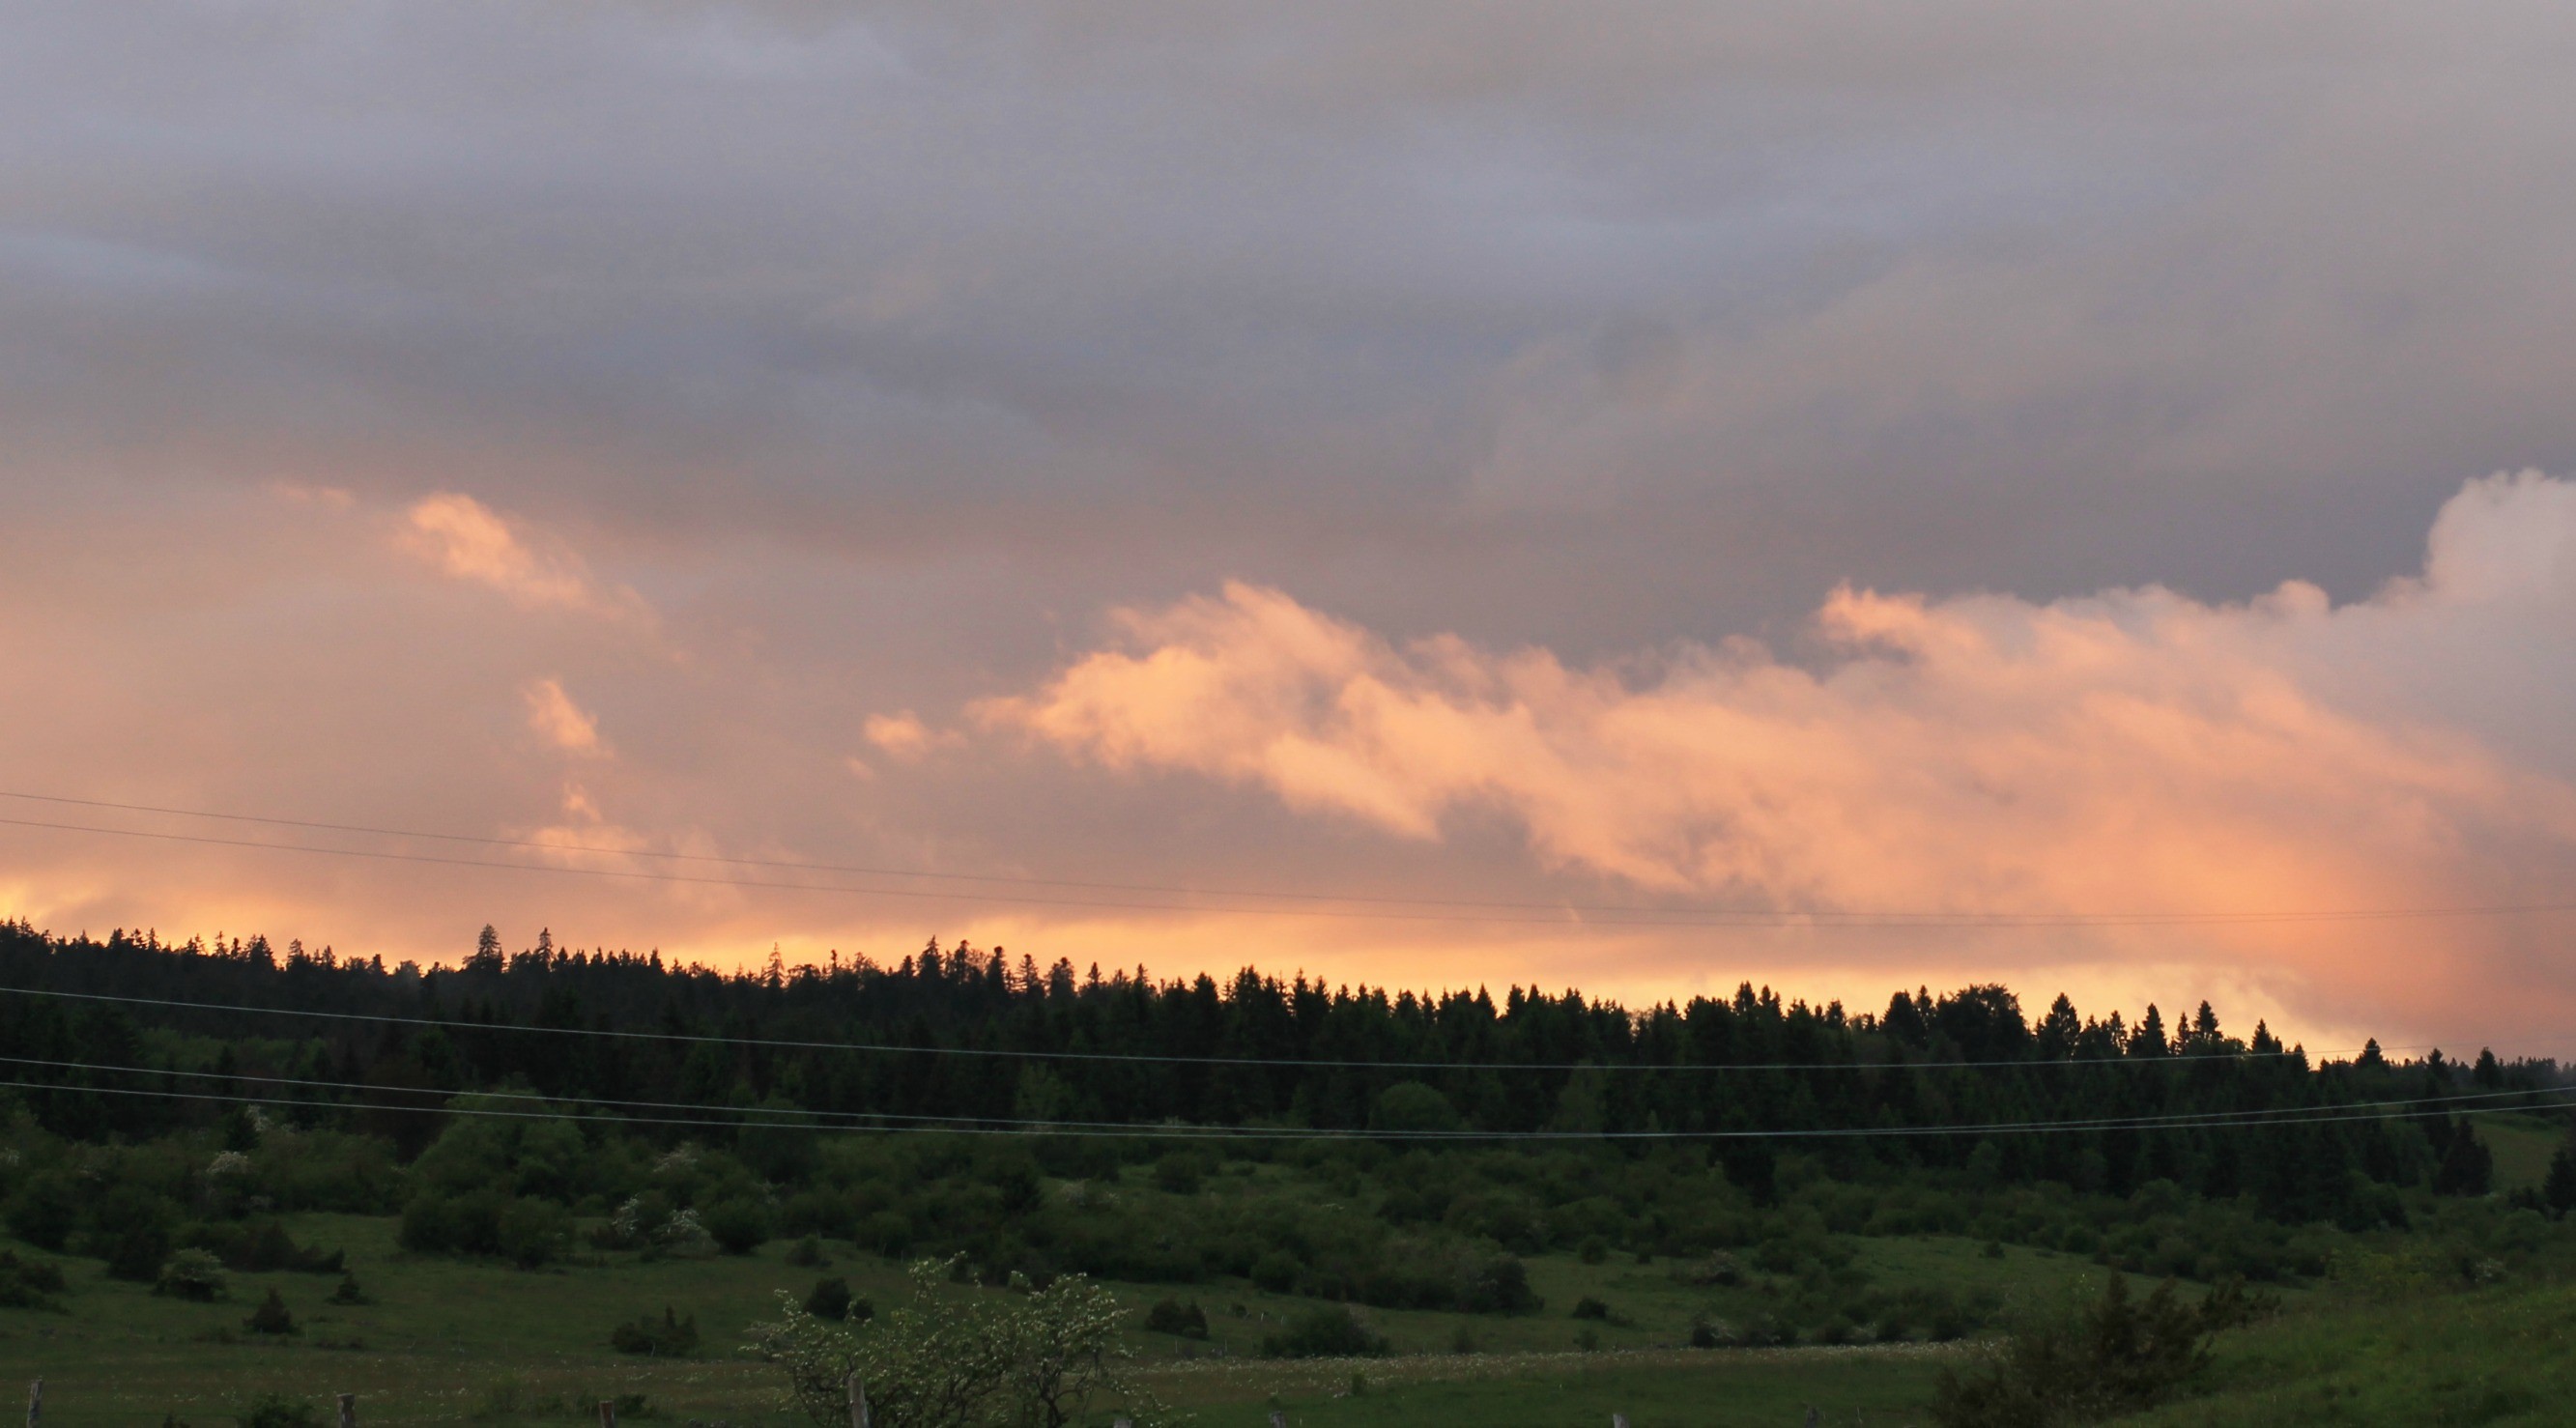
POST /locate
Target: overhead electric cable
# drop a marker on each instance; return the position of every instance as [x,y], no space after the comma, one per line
[1030,1054]
[2216,1120]
[781,1117]
[1452,909]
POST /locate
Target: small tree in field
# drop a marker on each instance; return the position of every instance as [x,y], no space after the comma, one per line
[951,1358]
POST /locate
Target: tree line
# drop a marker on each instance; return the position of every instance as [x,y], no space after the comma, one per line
[958,1034]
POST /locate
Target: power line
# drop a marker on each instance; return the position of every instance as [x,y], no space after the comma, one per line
[778,1117]
[1454,909]
[2208,1120]
[1011,1053]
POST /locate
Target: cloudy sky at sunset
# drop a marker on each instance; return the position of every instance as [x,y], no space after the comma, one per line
[1633,496]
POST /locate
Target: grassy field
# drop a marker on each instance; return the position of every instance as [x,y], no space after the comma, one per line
[2522,1146]
[451,1341]
[2399,1358]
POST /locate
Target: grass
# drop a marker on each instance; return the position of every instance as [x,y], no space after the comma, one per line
[2522,1146]
[460,1342]
[2396,1358]
[450,1341]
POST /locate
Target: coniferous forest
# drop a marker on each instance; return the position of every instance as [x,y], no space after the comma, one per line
[177,1114]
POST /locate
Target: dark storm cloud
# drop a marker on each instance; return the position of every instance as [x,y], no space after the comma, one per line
[2075,288]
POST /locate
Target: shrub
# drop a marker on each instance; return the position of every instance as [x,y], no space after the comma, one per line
[531,1233]
[276,1410]
[807,1253]
[1277,1271]
[462,1224]
[349,1292]
[887,1232]
[28,1283]
[669,1337]
[1411,1106]
[44,1211]
[2111,1357]
[191,1274]
[266,1246]
[1171,1316]
[1040,1357]
[739,1225]
[1180,1171]
[1593,1250]
[817,1212]
[1716,1268]
[271,1317]
[1497,1284]
[1328,1332]
[1588,1307]
[832,1300]
[139,1253]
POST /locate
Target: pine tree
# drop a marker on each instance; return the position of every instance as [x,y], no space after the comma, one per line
[2559,1190]
[2149,1038]
[2467,1168]
[2058,1030]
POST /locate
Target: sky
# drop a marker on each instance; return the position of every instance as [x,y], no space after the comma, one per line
[1631,496]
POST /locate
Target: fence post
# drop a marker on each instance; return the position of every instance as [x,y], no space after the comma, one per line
[348,1410]
[858,1403]
[35,1402]
[607,1413]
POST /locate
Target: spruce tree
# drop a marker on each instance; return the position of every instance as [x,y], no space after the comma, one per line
[2559,1190]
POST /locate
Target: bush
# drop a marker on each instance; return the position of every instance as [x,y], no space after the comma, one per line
[28,1283]
[1171,1316]
[1277,1271]
[669,1337]
[738,1226]
[1593,1250]
[44,1211]
[349,1292]
[1180,1171]
[1411,1106]
[276,1410]
[191,1274]
[532,1233]
[271,1317]
[887,1232]
[807,1253]
[462,1224]
[1717,1268]
[1498,1284]
[1329,1332]
[266,1246]
[2105,1359]
[1048,1356]
[139,1253]
[832,1300]
[1588,1307]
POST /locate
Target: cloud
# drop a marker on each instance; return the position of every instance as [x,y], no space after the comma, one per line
[469,541]
[2133,752]
[562,723]
[903,736]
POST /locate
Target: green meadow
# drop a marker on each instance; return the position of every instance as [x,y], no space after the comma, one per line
[2386,1341]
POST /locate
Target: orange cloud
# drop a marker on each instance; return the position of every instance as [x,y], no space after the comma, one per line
[469,541]
[903,736]
[562,723]
[2137,752]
